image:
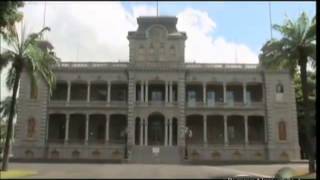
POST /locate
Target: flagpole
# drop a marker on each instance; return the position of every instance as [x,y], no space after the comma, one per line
[270,19]
[44,14]
[157,8]
[44,17]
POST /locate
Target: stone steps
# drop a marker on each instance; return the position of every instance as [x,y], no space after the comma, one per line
[143,154]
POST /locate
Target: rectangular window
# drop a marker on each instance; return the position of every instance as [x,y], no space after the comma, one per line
[230,98]
[211,98]
[156,96]
[248,97]
[191,98]
[231,132]
[121,95]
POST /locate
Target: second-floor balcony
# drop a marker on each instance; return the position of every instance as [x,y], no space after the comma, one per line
[224,95]
[156,93]
[93,93]
[159,93]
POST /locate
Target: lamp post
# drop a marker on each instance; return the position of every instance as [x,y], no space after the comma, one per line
[187,135]
[124,134]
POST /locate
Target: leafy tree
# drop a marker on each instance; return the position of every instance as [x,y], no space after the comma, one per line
[5,108]
[299,101]
[296,48]
[4,114]
[9,14]
[2,134]
[30,54]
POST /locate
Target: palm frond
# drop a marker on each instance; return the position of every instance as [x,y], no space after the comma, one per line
[11,76]
[5,107]
[5,58]
[33,79]
[34,37]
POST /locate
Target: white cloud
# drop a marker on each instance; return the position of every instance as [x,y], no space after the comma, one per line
[202,47]
[98,32]
[143,10]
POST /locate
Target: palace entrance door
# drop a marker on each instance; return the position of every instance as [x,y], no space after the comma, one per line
[156,130]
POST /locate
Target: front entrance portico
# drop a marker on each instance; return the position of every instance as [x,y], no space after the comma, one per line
[156,129]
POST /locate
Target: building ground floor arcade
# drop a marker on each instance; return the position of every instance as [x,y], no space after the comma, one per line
[84,135]
[156,129]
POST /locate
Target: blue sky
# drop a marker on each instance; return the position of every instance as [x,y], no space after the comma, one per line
[245,22]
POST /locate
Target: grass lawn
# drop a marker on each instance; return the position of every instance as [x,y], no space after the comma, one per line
[16,173]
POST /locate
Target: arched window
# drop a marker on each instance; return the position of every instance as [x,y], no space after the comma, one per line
[279,88]
[31,127]
[279,92]
[282,131]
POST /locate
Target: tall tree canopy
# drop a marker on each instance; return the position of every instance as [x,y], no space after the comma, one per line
[9,14]
[26,53]
[294,51]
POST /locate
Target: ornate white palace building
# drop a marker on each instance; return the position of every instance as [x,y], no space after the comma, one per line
[217,112]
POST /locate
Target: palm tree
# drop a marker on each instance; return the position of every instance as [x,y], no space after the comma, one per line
[27,53]
[5,108]
[296,48]
[4,114]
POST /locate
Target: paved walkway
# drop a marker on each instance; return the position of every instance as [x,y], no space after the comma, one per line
[77,170]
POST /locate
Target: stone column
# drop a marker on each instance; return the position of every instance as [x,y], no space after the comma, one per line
[224,92]
[225,127]
[204,92]
[244,93]
[88,91]
[246,140]
[205,140]
[146,132]
[166,93]
[87,129]
[147,89]
[109,92]
[170,133]
[107,128]
[66,135]
[165,132]
[171,92]
[141,92]
[69,91]
[141,131]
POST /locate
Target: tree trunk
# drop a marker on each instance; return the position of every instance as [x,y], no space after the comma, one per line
[6,151]
[307,118]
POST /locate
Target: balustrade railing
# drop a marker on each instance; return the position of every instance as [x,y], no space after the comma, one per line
[91,64]
[82,141]
[221,66]
[124,64]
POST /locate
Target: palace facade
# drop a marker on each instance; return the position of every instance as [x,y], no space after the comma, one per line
[157,106]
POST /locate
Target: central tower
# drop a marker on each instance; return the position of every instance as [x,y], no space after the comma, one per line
[156,40]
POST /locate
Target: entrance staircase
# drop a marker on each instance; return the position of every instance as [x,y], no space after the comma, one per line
[144,154]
